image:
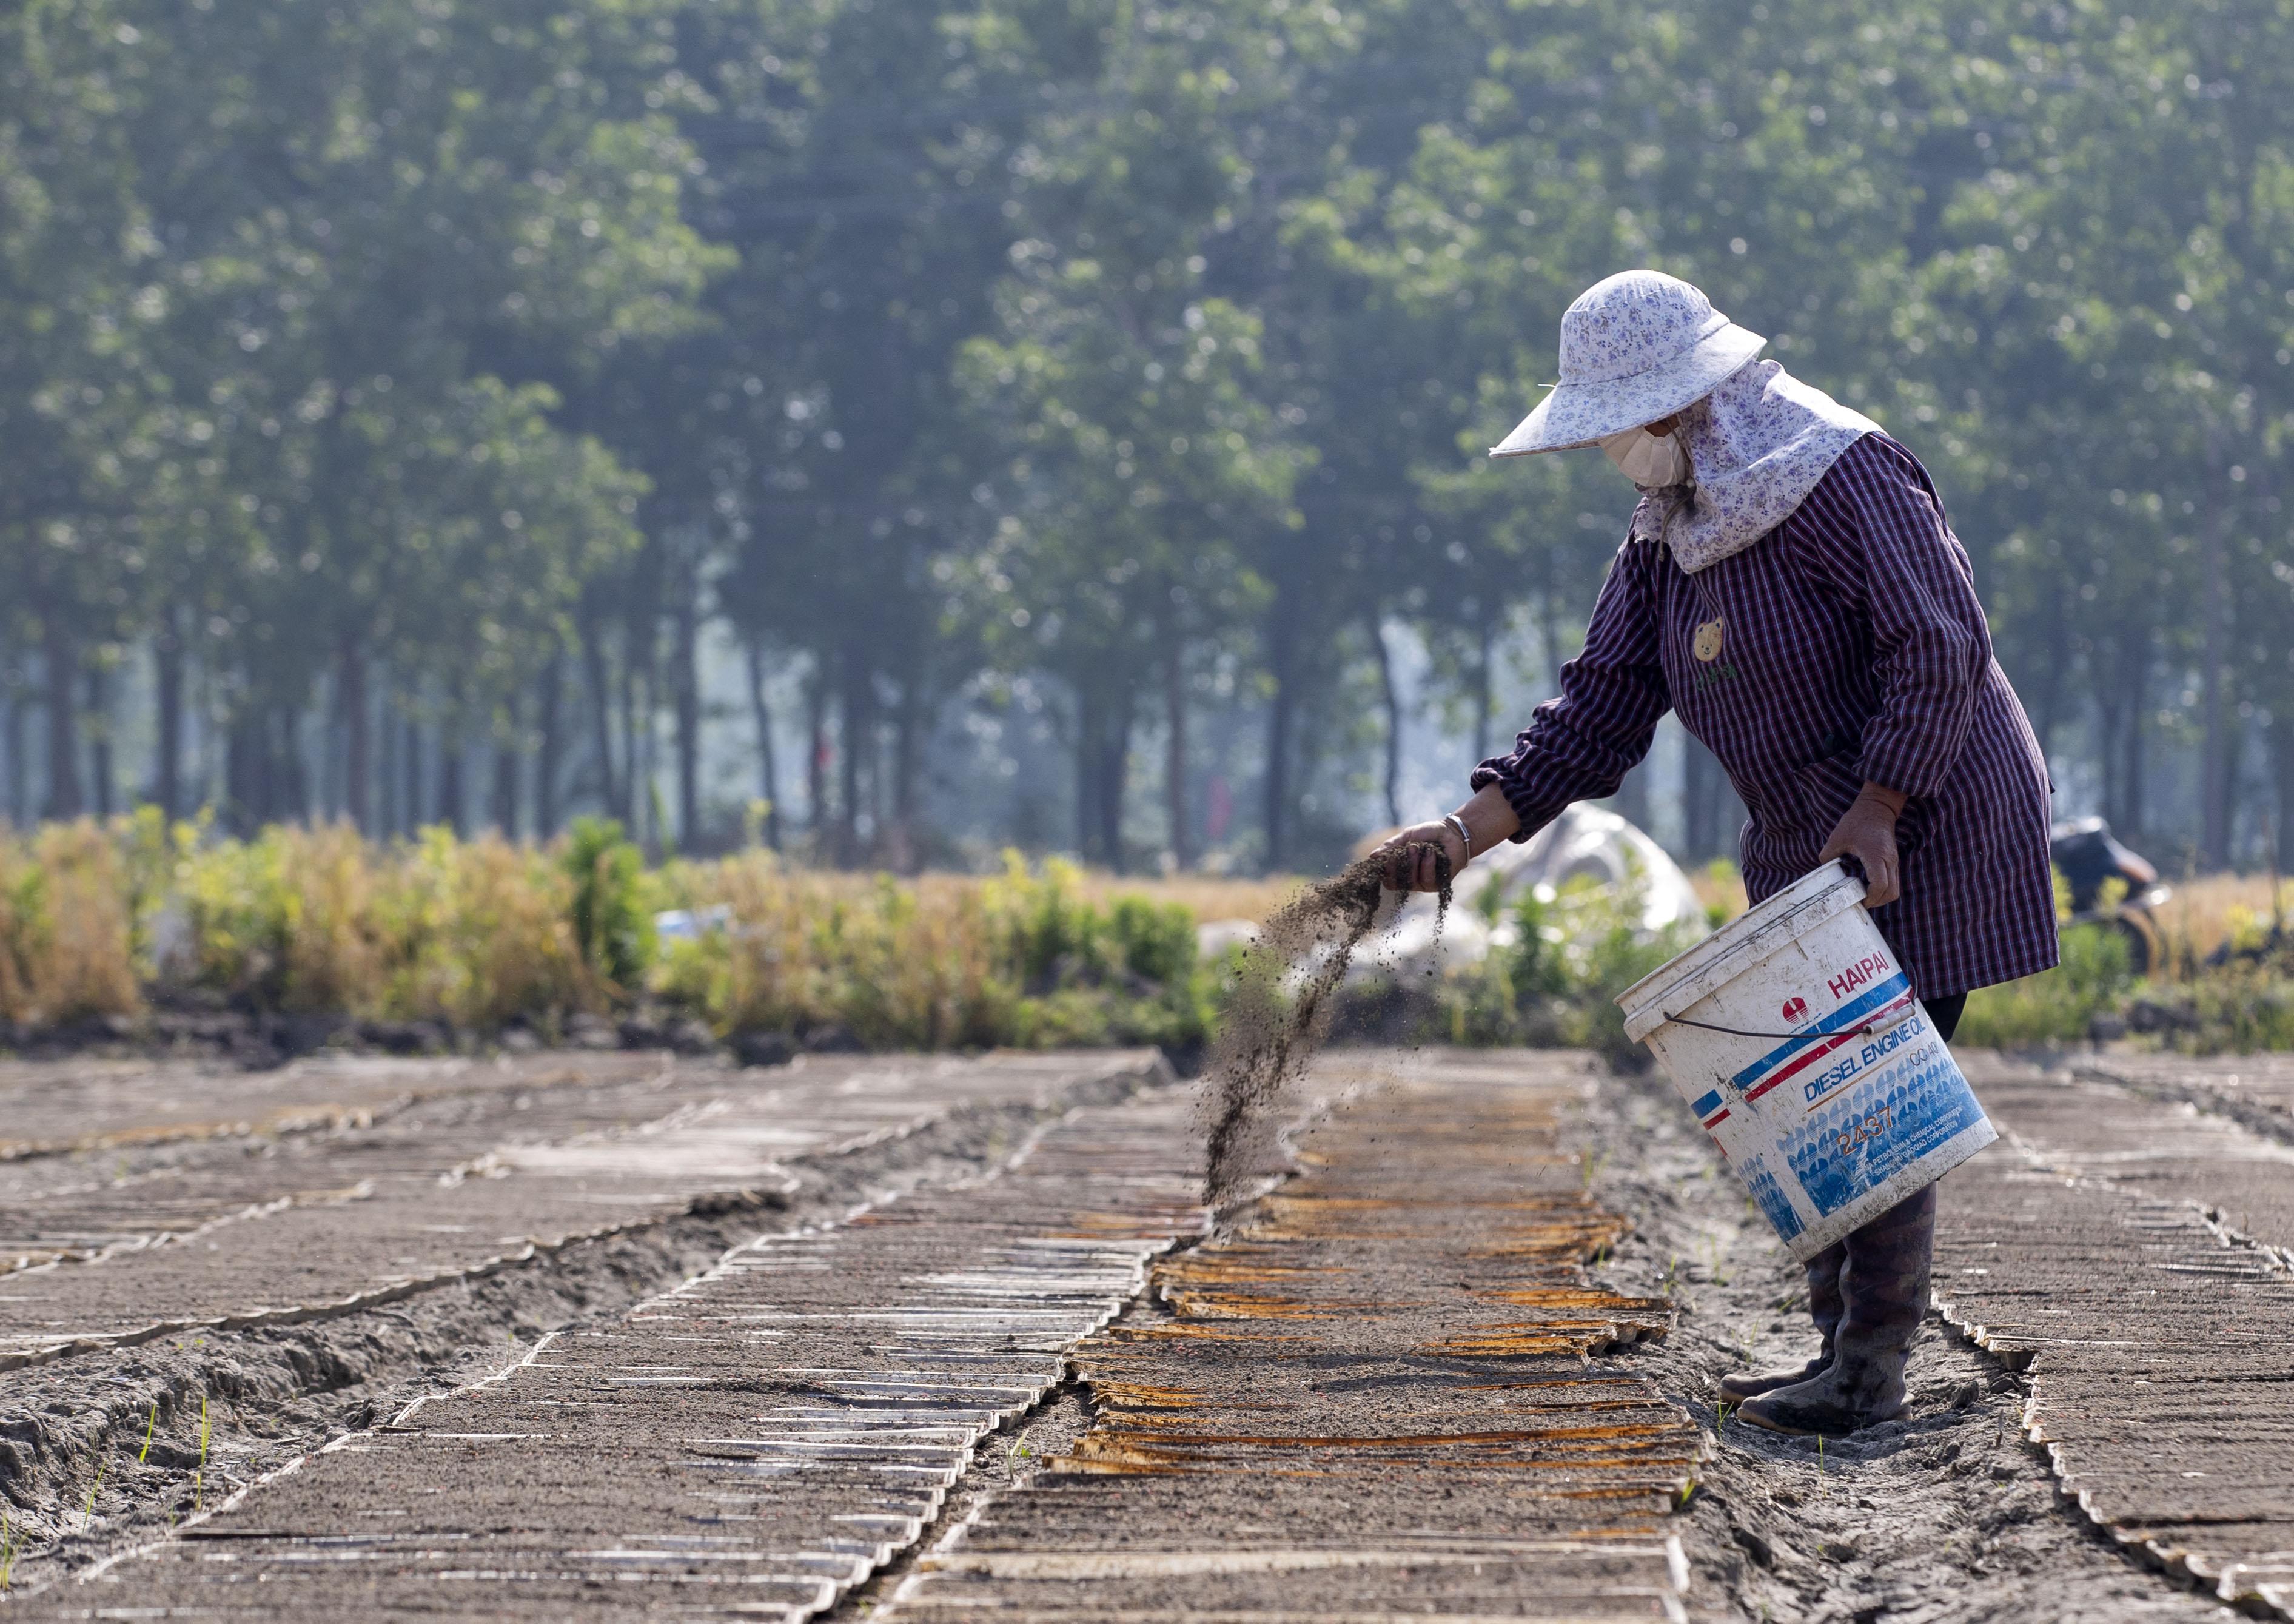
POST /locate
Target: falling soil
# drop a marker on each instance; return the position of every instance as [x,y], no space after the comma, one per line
[1282,1008]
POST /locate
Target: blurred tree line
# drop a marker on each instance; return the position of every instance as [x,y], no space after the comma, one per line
[423,377]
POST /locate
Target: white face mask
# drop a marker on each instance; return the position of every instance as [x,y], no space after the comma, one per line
[1651,461]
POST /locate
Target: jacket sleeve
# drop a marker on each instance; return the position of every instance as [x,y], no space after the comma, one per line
[1579,746]
[1931,646]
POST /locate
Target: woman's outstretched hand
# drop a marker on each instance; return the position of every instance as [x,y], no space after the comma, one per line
[1409,855]
[1867,831]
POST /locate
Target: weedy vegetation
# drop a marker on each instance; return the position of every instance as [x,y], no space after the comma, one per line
[106,921]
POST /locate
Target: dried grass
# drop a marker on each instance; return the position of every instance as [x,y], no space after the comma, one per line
[1207,896]
[2204,914]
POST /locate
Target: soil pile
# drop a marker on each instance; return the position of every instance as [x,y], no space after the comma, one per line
[1282,1008]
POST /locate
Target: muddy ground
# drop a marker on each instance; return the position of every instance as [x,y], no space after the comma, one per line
[635,1335]
[1952,1515]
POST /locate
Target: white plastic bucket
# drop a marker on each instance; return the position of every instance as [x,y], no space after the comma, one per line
[1829,1092]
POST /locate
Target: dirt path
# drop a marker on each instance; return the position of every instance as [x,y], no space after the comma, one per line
[1389,1390]
[2131,1254]
[1458,1366]
[758,1440]
[1951,1516]
[106,1440]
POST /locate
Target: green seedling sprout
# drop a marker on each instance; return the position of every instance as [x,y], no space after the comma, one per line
[11,1540]
[199,1475]
[1720,1418]
[1821,1492]
[150,1427]
[1018,1452]
[87,1512]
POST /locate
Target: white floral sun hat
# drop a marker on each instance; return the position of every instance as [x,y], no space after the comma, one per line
[1635,347]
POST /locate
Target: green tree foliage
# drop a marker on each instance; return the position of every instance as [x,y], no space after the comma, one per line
[391,391]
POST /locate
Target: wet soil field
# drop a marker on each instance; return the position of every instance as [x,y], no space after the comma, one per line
[628,1335]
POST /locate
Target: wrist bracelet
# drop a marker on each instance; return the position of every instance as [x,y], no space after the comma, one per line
[1465,835]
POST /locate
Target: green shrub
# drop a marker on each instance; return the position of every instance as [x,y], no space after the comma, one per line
[1020,958]
[2057,1005]
[611,924]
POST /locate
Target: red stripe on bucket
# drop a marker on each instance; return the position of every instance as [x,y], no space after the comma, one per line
[1816,1052]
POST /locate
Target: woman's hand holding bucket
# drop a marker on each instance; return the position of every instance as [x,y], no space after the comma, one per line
[1867,831]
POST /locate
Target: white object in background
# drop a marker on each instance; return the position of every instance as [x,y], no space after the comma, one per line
[1831,1094]
[1582,841]
[1213,936]
[687,925]
[1586,841]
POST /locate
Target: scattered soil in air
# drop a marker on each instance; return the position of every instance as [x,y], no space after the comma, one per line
[1282,1008]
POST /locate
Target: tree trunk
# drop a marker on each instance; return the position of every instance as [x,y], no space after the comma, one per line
[1549,630]
[293,779]
[503,795]
[99,740]
[1281,717]
[19,764]
[855,722]
[2138,797]
[816,758]
[2215,754]
[387,821]
[242,774]
[262,771]
[1087,748]
[60,660]
[1484,687]
[358,741]
[450,752]
[2109,716]
[548,763]
[601,715]
[1390,700]
[2281,765]
[12,757]
[168,664]
[1632,799]
[907,747]
[1115,776]
[637,744]
[1700,803]
[768,783]
[1174,758]
[418,810]
[686,683]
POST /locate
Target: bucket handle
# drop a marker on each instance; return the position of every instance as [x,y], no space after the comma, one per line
[1864,1030]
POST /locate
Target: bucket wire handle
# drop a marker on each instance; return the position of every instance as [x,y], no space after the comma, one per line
[1864,1030]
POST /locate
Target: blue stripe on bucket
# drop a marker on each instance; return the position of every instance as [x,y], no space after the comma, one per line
[1847,1015]
[1708,1105]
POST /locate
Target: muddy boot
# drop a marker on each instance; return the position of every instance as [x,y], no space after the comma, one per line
[1823,1308]
[1884,1287]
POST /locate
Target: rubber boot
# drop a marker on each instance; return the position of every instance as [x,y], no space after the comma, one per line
[1823,1308]
[1883,1290]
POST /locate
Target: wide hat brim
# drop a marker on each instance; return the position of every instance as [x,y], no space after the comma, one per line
[1586,414]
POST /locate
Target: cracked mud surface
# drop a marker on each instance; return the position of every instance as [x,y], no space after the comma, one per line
[948,1340]
[1950,1514]
[222,1407]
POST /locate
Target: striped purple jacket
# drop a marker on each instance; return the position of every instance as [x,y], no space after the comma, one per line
[1852,647]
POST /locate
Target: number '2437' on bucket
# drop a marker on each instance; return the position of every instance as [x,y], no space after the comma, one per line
[1828,1089]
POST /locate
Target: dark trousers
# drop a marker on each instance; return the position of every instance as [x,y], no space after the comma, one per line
[1883,1266]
